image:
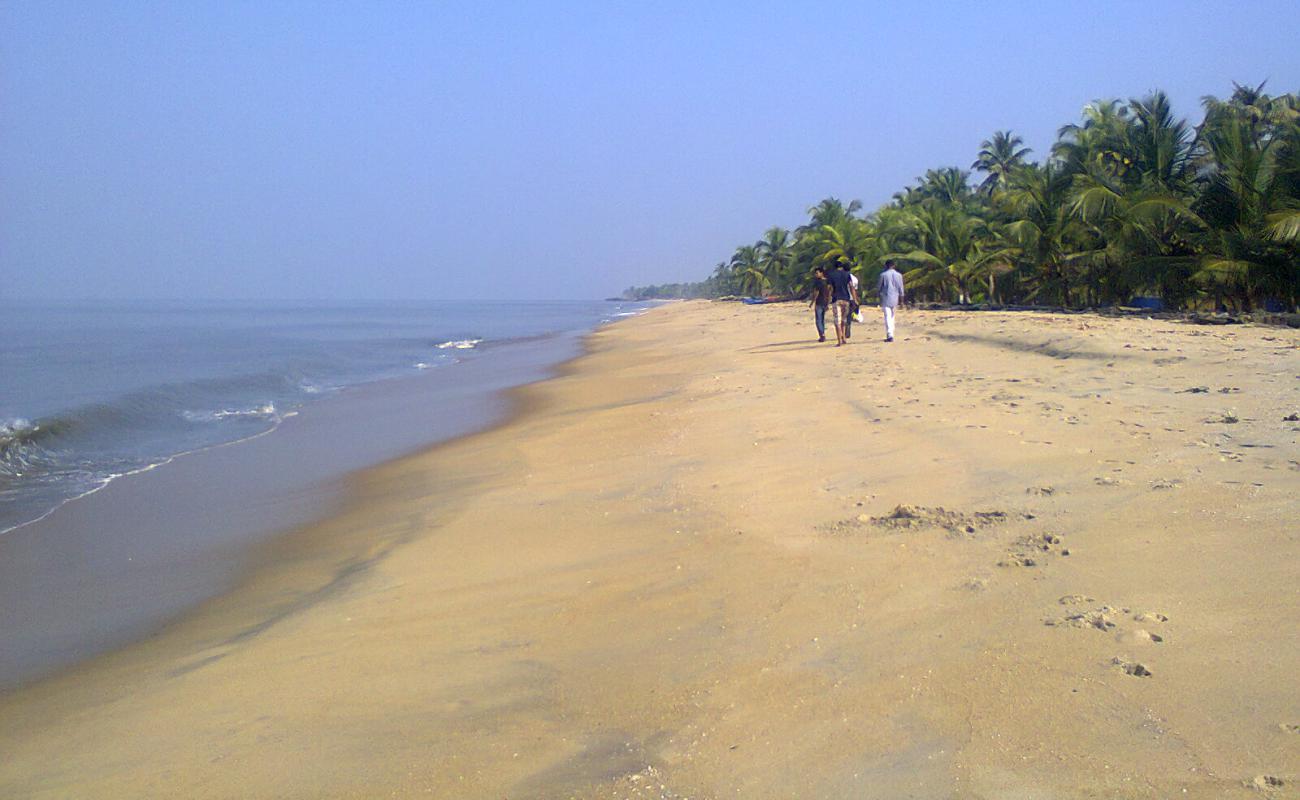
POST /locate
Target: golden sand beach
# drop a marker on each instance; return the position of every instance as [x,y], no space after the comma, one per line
[1011,555]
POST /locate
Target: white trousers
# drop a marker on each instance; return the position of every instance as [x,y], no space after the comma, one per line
[889,321]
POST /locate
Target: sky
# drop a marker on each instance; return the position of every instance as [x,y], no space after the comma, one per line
[446,150]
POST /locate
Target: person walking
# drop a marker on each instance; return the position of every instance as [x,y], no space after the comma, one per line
[842,294]
[891,296]
[821,300]
[853,306]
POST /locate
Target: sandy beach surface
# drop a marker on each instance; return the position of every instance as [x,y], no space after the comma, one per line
[1011,555]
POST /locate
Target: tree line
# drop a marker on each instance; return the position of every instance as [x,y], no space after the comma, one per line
[1130,202]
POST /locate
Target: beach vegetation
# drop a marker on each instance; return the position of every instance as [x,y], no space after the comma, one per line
[1130,202]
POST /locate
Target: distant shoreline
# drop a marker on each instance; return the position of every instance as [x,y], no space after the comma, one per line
[190,527]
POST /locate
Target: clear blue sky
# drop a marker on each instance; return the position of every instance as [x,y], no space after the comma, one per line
[469,150]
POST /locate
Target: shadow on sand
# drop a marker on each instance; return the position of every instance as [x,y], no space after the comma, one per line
[801,344]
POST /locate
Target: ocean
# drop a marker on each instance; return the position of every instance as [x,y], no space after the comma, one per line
[142,445]
[88,394]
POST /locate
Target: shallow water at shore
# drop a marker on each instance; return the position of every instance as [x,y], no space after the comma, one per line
[117,563]
[90,394]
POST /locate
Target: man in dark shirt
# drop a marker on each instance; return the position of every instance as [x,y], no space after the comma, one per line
[842,294]
[821,300]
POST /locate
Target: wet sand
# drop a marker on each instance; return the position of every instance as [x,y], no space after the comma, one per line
[118,564]
[1009,555]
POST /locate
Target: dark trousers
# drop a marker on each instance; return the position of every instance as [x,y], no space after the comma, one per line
[819,318]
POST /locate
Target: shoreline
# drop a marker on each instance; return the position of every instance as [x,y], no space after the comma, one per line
[229,527]
[690,567]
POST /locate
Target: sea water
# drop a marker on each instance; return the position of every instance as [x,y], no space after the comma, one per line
[148,450]
[91,393]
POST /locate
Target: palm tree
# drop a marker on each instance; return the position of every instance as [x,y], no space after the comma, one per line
[1098,140]
[748,268]
[1159,147]
[830,212]
[848,240]
[1250,207]
[1147,233]
[998,158]
[724,279]
[947,185]
[909,196]
[776,256]
[1263,115]
[1044,238]
[1284,221]
[1131,190]
[948,256]
[1131,200]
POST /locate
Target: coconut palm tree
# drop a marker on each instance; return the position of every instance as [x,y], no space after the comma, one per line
[998,158]
[948,255]
[909,196]
[1158,147]
[1097,140]
[1131,200]
[747,266]
[849,240]
[1048,243]
[1250,208]
[947,185]
[724,279]
[830,212]
[1134,199]
[1263,115]
[776,257]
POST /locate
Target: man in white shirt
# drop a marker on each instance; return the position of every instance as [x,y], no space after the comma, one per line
[891,296]
[853,305]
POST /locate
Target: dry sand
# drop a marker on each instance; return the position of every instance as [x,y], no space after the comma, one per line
[682,571]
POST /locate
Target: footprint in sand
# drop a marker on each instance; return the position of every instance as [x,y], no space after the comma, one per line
[1102,619]
[1150,616]
[1108,619]
[1130,667]
[1264,783]
[1033,550]
[905,517]
[1139,636]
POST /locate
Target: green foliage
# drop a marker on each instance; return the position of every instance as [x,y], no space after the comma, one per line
[1131,201]
[671,291]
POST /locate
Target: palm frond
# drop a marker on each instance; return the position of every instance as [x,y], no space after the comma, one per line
[1284,225]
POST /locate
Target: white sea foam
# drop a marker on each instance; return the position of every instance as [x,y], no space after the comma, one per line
[15,426]
[104,480]
[132,420]
[265,411]
[459,344]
